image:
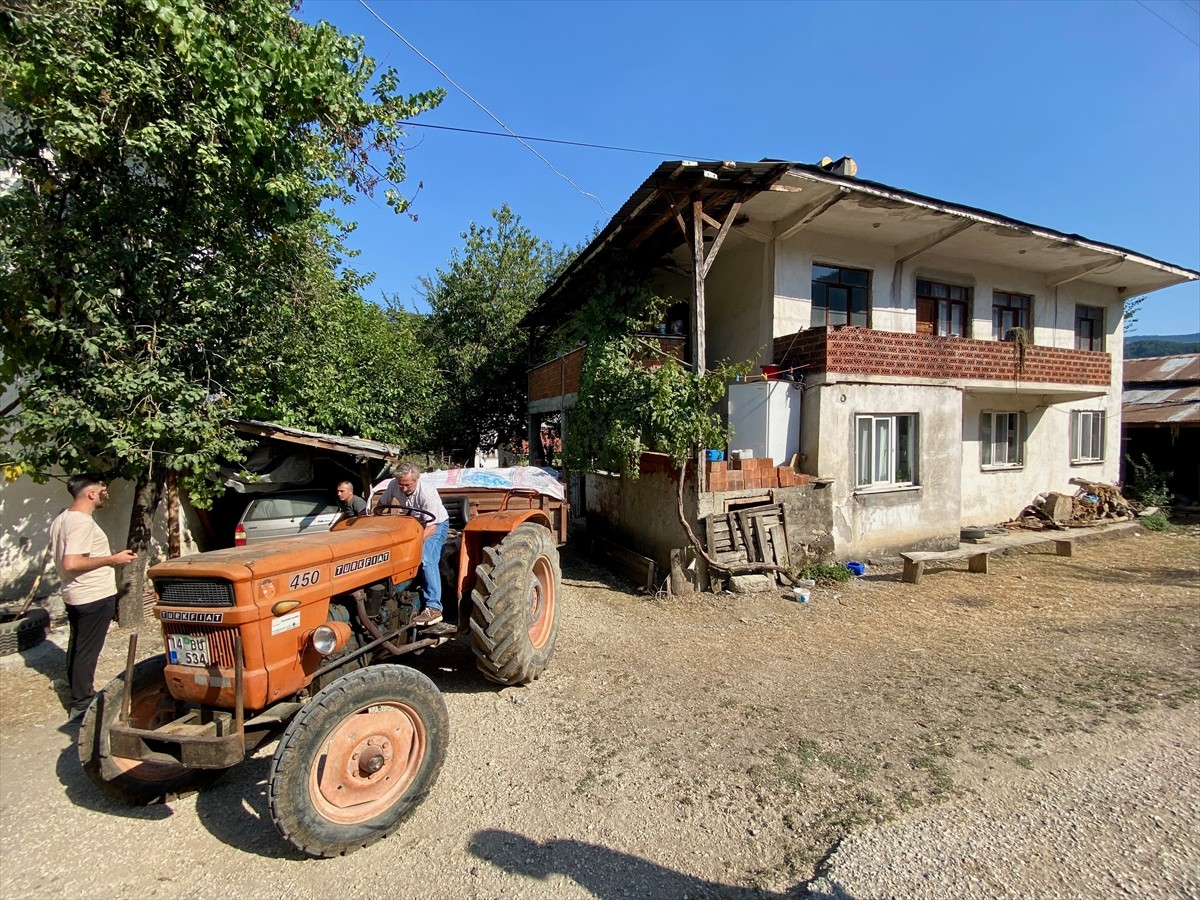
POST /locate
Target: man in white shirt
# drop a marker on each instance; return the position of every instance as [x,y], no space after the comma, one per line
[87,570]
[407,490]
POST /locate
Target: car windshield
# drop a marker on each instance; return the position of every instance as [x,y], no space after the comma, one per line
[288,507]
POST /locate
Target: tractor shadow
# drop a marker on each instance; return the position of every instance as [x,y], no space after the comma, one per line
[237,813]
[82,793]
[603,872]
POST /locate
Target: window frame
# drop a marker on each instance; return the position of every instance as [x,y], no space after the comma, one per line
[1097,424]
[948,301]
[894,451]
[823,308]
[1097,338]
[1003,301]
[987,439]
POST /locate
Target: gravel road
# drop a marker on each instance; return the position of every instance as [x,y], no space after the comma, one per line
[1117,820]
[996,736]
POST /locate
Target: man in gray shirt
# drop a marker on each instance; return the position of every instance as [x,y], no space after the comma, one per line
[349,502]
[406,489]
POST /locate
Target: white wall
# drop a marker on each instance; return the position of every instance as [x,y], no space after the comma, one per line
[27,509]
[891,520]
[737,308]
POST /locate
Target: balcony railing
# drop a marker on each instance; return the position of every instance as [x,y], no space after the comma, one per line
[864,351]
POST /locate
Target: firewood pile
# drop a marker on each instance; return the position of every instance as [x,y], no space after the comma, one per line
[1094,503]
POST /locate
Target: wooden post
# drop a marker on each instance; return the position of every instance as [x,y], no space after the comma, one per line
[174,517]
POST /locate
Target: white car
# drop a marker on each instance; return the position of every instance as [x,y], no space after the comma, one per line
[284,514]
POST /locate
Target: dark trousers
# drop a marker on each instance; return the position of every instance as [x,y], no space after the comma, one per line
[89,627]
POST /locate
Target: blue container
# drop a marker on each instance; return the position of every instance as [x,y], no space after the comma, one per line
[715,455]
[857,569]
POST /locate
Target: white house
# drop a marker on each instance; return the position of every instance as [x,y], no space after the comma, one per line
[955,362]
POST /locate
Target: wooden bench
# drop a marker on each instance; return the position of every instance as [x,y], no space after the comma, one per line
[975,554]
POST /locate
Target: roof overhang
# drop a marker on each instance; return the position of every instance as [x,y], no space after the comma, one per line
[355,446]
[782,198]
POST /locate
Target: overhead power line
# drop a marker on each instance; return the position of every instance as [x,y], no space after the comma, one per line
[1172,24]
[490,114]
[525,137]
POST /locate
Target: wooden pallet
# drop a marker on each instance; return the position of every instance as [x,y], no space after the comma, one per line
[755,534]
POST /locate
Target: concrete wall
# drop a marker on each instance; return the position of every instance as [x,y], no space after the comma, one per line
[27,509]
[640,515]
[893,306]
[737,308]
[892,519]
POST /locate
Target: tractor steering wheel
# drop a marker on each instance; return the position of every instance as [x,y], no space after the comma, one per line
[385,509]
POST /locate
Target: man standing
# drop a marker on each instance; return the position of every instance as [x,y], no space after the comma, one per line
[406,489]
[86,568]
[349,502]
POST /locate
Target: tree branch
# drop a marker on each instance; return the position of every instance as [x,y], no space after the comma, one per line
[747,569]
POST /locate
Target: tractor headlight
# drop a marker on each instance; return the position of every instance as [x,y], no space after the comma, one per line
[324,640]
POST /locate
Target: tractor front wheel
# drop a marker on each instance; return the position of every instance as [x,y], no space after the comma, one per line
[132,781]
[514,620]
[357,759]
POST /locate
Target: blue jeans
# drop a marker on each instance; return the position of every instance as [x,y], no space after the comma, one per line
[431,556]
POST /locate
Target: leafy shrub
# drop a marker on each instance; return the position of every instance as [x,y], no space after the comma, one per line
[821,572]
[1146,485]
[1156,521]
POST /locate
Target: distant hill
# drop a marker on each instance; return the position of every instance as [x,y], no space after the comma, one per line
[1140,346]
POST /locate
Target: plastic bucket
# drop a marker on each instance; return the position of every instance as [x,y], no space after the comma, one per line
[715,455]
[772,372]
[857,569]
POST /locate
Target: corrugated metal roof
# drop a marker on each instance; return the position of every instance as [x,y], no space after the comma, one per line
[1176,402]
[1184,367]
[355,445]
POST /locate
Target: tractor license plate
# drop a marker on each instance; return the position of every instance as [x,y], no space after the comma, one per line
[185,650]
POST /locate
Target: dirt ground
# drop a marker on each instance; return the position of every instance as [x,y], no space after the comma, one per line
[711,745]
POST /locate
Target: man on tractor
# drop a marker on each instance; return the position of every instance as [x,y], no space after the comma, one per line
[408,496]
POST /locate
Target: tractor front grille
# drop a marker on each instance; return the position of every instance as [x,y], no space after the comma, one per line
[194,592]
[221,640]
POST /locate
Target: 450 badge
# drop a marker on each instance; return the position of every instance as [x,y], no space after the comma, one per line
[304,579]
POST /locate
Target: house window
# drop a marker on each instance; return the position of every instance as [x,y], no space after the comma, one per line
[885,450]
[1087,435]
[1010,311]
[942,308]
[1002,437]
[839,296]
[1089,328]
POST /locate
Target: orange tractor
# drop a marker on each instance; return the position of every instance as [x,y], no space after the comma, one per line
[294,638]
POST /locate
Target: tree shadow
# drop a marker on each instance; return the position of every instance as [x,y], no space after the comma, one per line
[606,873]
[49,660]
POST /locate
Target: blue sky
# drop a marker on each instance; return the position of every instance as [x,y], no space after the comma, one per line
[1082,117]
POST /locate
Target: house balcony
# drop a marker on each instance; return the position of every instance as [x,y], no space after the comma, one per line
[559,377]
[826,355]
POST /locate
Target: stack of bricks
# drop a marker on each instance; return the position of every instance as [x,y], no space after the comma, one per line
[749,474]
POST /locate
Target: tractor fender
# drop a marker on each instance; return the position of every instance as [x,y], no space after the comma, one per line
[487,529]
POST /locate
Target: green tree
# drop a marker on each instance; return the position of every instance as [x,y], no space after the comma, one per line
[333,362]
[172,162]
[476,304]
[633,397]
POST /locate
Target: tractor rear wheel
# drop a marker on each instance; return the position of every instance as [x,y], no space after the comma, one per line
[131,781]
[514,620]
[357,759]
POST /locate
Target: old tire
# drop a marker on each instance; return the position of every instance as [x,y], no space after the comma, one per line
[514,620]
[136,782]
[357,759]
[24,633]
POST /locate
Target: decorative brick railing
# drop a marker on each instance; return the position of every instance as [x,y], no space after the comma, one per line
[556,378]
[864,351]
[560,376]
